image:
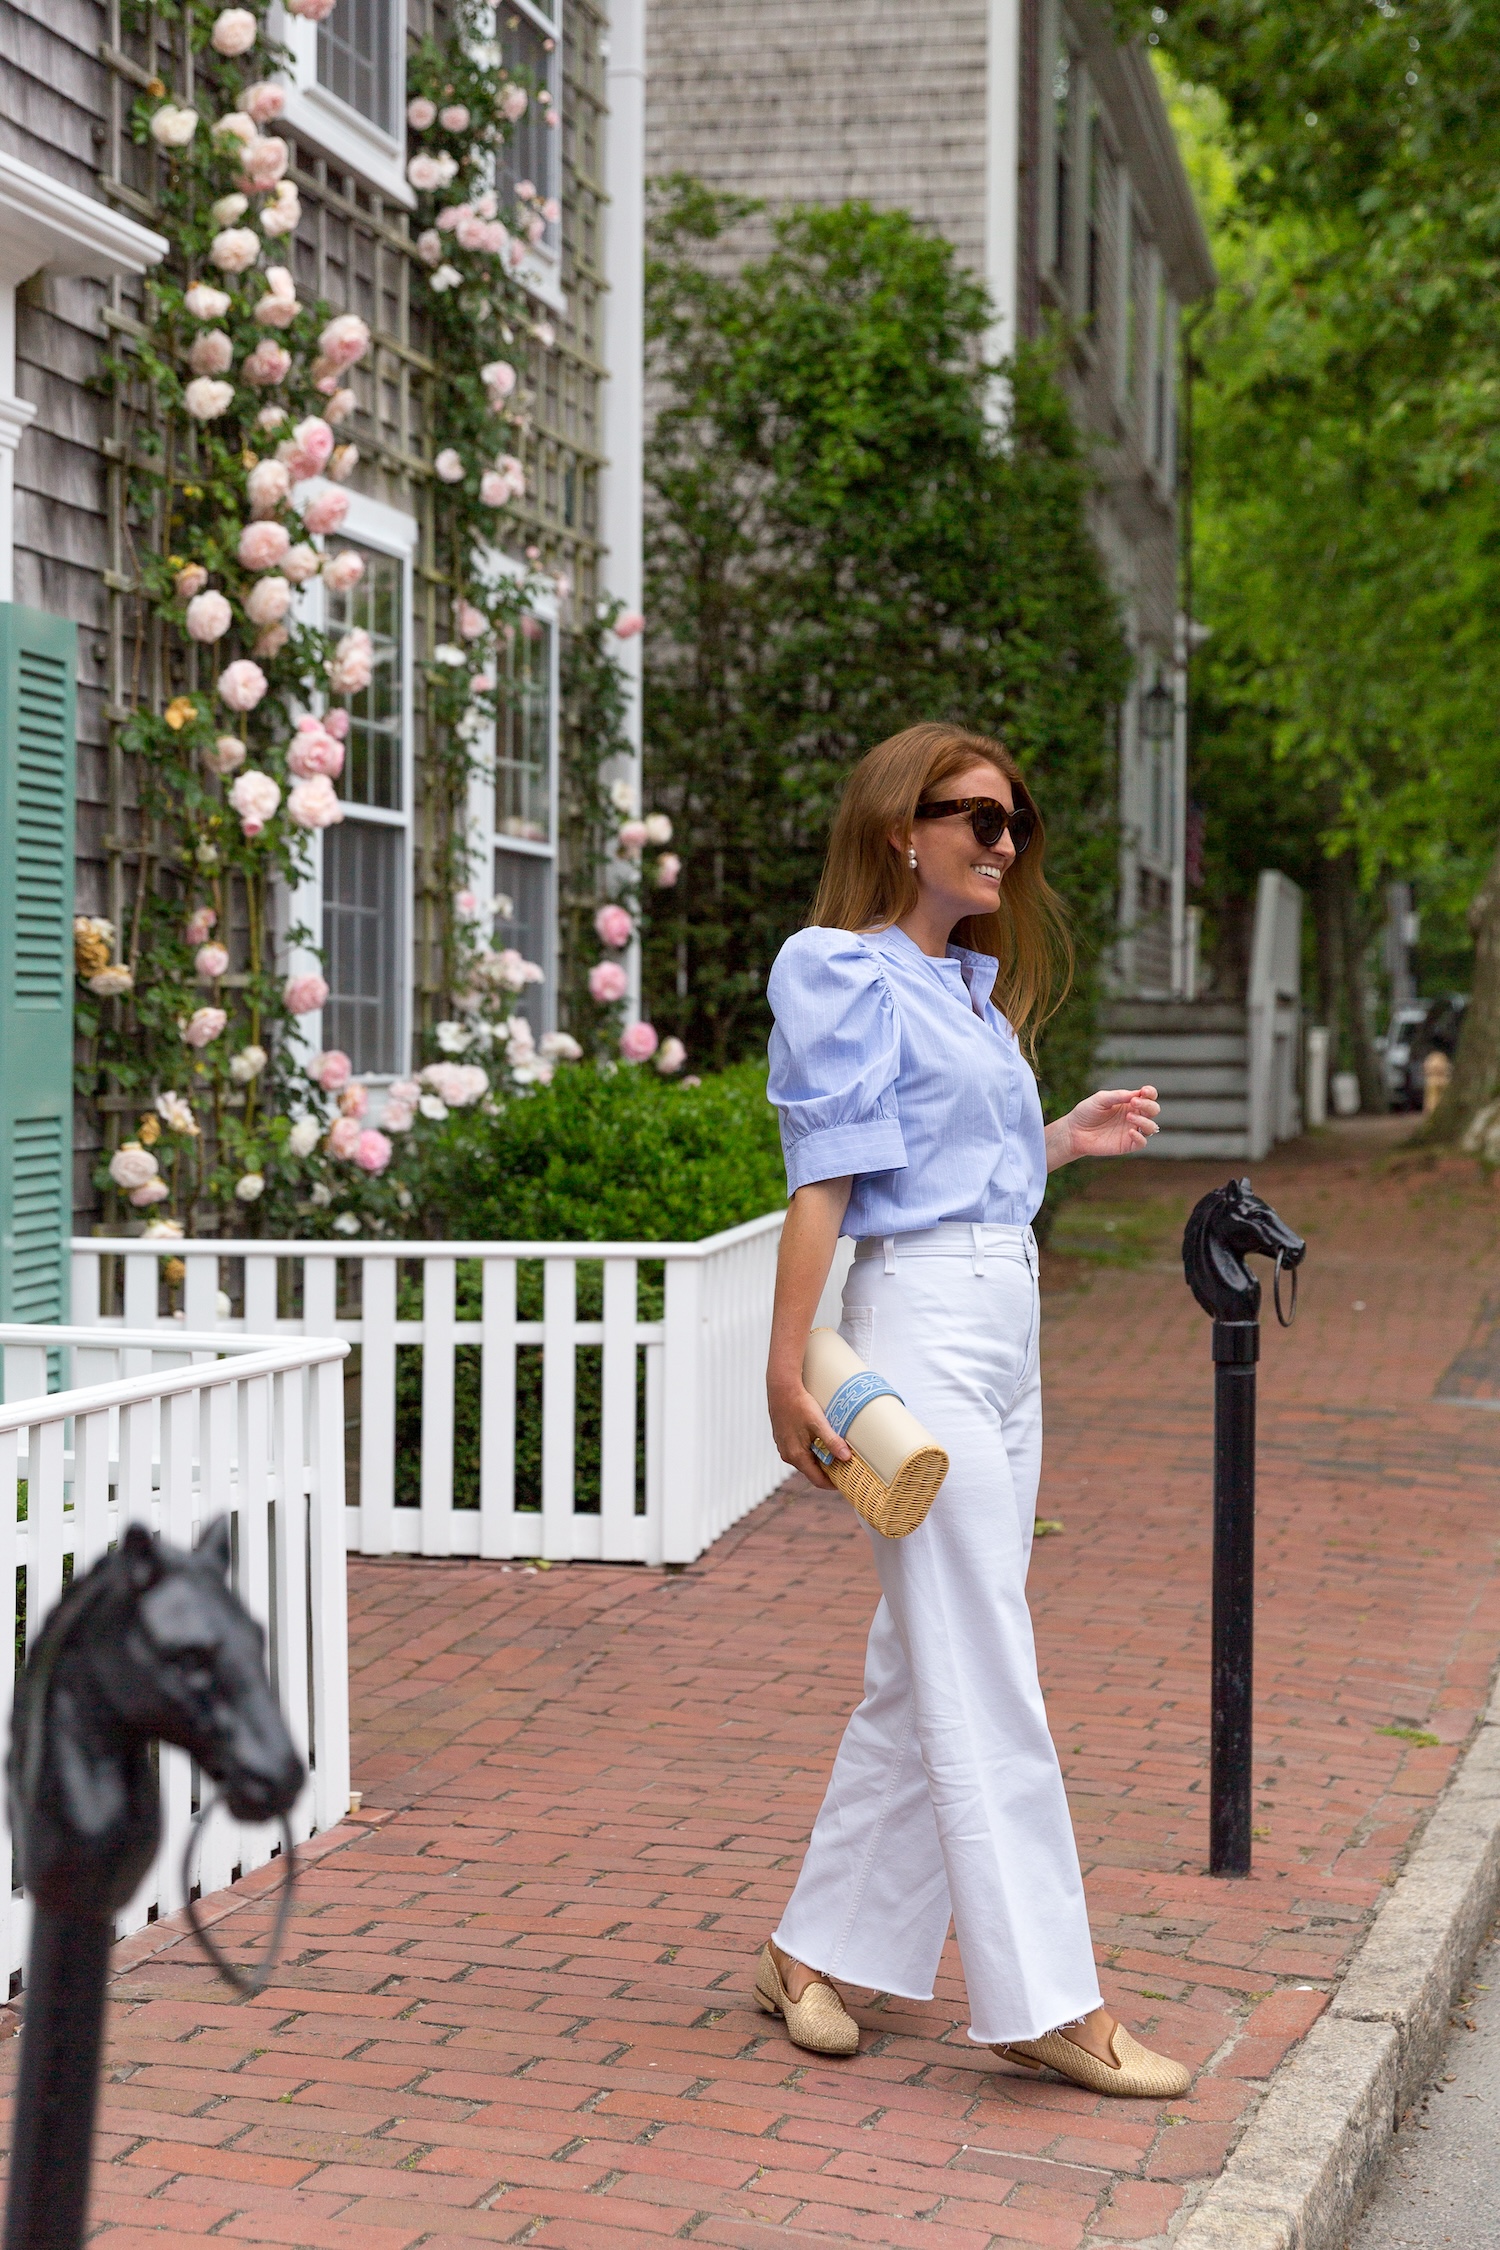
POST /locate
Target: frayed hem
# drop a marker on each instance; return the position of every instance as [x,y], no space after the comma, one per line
[1006,2038]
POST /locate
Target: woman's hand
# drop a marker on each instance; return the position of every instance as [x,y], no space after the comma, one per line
[796,1419]
[1110,1124]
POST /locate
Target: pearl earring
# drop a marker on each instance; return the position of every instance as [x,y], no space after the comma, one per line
[911,858]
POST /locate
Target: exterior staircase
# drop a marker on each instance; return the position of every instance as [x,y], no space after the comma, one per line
[1197,1055]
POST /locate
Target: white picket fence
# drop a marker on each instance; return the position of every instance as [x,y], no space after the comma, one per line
[171,1432]
[675,1406]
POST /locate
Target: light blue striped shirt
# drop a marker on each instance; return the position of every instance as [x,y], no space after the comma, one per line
[894,1066]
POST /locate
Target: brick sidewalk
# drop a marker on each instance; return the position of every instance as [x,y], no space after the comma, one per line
[516,2010]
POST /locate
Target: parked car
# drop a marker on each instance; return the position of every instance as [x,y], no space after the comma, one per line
[1413,1034]
[1395,1049]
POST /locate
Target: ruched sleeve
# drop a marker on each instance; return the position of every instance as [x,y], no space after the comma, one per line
[835,1052]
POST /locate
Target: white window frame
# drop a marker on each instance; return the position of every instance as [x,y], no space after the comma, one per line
[485,837]
[540,271]
[369,523]
[339,130]
[1125,235]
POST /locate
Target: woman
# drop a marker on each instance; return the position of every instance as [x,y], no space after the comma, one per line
[910,1120]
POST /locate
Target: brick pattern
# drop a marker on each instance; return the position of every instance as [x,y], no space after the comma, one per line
[515,2006]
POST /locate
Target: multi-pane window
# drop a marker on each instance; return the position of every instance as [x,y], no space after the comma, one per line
[357,59]
[523,740]
[364,858]
[1062,161]
[1162,371]
[524,918]
[529,48]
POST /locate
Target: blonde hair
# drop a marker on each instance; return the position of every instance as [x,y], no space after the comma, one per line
[867,884]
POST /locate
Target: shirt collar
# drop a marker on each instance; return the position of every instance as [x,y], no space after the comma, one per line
[979,969]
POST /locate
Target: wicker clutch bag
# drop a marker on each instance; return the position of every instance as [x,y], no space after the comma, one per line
[896,1467]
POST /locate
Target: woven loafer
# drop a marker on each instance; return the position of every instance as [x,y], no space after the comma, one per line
[1138,2071]
[819,2020]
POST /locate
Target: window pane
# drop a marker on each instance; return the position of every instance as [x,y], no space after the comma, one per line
[354,58]
[363,943]
[532,151]
[372,768]
[524,886]
[523,740]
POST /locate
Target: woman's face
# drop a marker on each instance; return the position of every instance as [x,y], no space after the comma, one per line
[954,871]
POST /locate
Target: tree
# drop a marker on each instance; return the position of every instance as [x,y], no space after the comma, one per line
[843,537]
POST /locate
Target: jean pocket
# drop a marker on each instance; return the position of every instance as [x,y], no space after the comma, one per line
[858,1331]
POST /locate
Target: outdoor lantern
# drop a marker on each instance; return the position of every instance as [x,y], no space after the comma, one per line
[1158,712]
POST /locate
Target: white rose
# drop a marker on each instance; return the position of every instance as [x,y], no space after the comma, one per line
[172,127]
[132,1166]
[432,1107]
[251,1187]
[303,1138]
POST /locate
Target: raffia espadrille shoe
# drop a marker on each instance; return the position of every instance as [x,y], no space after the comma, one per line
[819,2020]
[1136,2071]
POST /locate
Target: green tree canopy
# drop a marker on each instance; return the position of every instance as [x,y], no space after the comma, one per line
[853,525]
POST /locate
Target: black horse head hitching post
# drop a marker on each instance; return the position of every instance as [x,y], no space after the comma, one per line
[149,1645]
[1225,1228]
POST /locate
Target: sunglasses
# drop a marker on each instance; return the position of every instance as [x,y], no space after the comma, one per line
[988,818]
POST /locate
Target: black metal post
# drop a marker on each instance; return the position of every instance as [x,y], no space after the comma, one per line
[1236,1348]
[52,2138]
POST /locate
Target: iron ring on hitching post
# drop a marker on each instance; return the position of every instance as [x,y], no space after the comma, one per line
[248,1986]
[1286,1318]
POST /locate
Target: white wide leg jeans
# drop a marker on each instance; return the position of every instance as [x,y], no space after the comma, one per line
[946,1798]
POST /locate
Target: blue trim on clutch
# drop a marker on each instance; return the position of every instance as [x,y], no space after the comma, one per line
[854,1395]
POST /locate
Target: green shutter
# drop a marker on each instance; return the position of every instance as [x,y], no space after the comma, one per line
[38,662]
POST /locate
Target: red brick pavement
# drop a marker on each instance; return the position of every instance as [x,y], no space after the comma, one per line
[516,2008]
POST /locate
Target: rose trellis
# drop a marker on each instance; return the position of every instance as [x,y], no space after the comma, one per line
[238,495]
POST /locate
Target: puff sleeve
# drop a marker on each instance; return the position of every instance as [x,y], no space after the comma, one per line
[835,1053]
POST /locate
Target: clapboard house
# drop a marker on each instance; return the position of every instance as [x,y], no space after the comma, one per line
[78,236]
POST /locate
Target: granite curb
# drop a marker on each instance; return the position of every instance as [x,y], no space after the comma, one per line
[1311,2154]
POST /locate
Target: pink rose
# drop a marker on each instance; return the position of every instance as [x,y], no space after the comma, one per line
[271,642]
[313,11]
[332,1069]
[209,617]
[263,163]
[343,570]
[210,961]
[342,463]
[353,662]
[211,353]
[267,601]
[227,756]
[154,1191]
[282,212]
[255,797]
[513,103]
[268,364]
[263,545]
[668,868]
[460,1085]
[638,1042]
[420,113]
[204,1026]
[531,628]
[304,995]
[614,926]
[206,400]
[373,1151]
[267,486]
[670,1057]
[345,339]
[471,622]
[234,249]
[493,489]
[607,983]
[315,751]
[306,451]
[513,473]
[430,247]
[449,466]
[191,581]
[313,804]
[234,31]
[552,210]
[398,1117]
[278,308]
[354,1100]
[495,238]
[262,101]
[200,925]
[336,723]
[340,406]
[454,119]
[451,213]
[632,838]
[242,684]
[343,1137]
[469,231]
[325,511]
[302,562]
[207,303]
[424,173]
[628,624]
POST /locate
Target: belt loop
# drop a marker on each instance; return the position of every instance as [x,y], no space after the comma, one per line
[890,1253]
[978,1233]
